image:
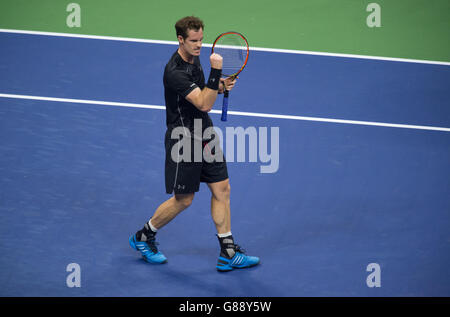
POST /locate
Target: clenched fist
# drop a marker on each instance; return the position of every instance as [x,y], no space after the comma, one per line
[216,61]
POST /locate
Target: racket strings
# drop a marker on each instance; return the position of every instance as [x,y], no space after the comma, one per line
[233,50]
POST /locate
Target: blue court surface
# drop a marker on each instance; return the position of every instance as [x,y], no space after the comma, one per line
[77,179]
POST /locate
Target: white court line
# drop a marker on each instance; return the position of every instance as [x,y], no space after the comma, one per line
[90,102]
[261,49]
[237,113]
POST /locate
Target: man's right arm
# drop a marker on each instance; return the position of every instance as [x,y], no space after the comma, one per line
[203,99]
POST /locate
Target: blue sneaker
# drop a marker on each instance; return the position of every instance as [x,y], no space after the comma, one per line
[238,261]
[148,250]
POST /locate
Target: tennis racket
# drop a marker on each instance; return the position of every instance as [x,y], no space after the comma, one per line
[233,47]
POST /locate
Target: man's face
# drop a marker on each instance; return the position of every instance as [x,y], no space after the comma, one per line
[193,42]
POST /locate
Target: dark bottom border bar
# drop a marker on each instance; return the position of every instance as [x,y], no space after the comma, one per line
[177,304]
[215,306]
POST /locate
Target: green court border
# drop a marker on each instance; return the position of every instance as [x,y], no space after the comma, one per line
[412,29]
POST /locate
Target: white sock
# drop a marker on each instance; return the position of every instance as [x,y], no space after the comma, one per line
[223,235]
[151,226]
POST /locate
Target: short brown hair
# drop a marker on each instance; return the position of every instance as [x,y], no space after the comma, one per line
[188,23]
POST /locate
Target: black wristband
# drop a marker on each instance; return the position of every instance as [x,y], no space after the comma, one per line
[214,79]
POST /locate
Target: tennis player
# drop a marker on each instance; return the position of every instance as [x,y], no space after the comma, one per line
[189,99]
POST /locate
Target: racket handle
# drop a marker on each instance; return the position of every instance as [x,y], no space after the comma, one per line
[225,105]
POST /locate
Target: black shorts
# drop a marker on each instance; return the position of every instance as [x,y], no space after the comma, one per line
[185,176]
